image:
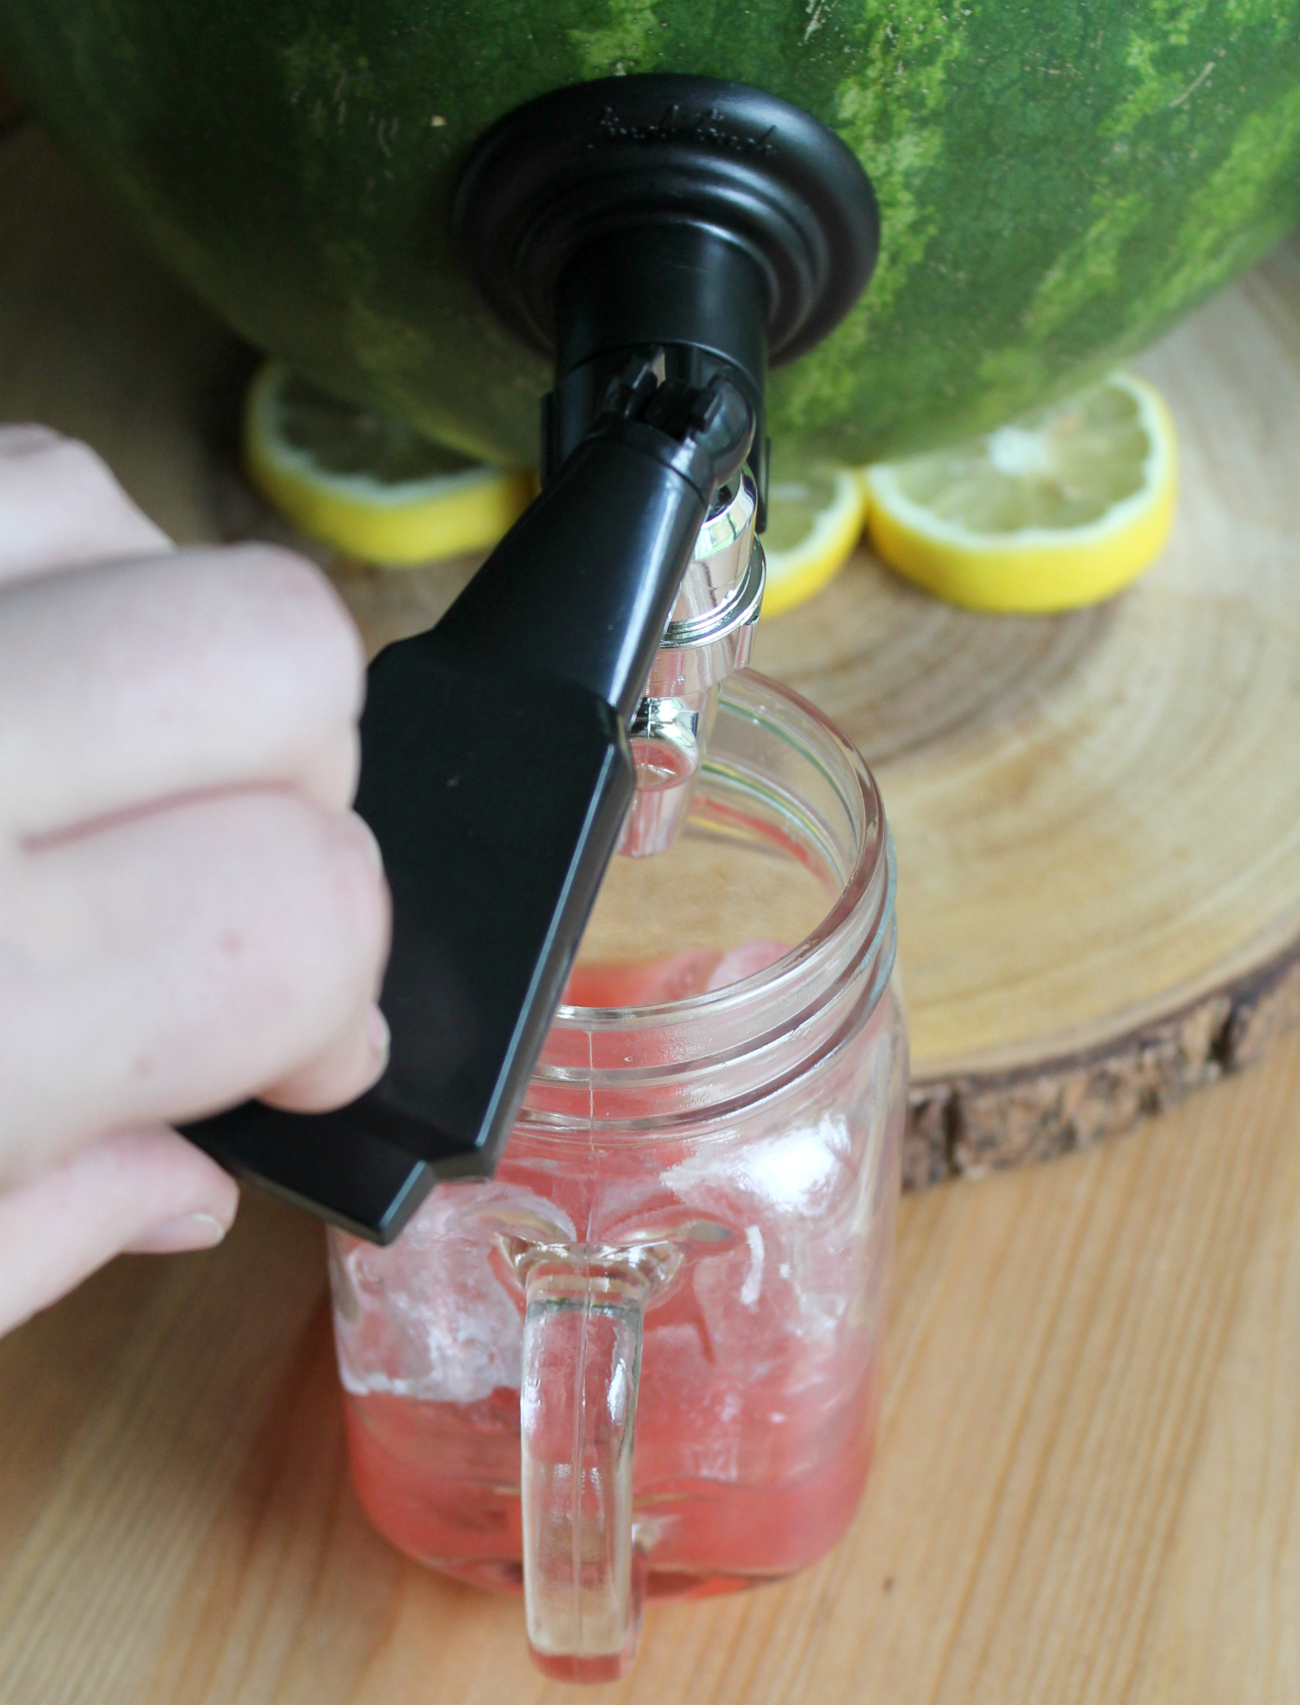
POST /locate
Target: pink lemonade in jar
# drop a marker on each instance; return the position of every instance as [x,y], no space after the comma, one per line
[441,1480]
[755,1423]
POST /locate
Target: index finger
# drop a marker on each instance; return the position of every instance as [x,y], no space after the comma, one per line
[135,682]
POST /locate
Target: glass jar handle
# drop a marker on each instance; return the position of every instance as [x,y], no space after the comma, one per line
[581,1364]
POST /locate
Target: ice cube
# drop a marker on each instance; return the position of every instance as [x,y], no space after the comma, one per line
[433,1316]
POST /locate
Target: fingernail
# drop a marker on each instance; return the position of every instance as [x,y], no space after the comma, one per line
[378,1035]
[172,1237]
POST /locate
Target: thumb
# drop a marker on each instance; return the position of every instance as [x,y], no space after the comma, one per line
[147,1191]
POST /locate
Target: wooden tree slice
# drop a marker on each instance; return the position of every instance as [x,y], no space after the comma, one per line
[1097,815]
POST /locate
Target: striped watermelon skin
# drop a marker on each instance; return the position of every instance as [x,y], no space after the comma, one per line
[1058,181]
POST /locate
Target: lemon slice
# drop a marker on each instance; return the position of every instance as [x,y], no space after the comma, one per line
[368,485]
[1060,509]
[813,522]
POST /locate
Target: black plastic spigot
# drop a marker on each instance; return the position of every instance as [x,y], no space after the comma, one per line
[664,237]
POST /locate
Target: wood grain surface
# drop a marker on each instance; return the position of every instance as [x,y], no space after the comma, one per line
[1085,1491]
[1097,815]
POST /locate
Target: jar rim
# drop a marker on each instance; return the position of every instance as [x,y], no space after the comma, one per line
[740,1016]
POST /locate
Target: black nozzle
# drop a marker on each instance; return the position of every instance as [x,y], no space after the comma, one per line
[663,238]
[709,221]
[687,154]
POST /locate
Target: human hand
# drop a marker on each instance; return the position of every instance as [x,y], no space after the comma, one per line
[190,914]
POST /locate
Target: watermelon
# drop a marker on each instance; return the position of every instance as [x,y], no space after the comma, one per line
[1058,181]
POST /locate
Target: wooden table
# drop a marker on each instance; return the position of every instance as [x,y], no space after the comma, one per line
[1087,1488]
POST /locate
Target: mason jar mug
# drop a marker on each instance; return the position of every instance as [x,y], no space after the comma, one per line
[643,1358]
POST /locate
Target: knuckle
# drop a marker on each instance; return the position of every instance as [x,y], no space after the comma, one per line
[37,461]
[357,874]
[336,767]
[278,568]
[75,467]
[306,916]
[68,504]
[25,439]
[307,613]
[329,861]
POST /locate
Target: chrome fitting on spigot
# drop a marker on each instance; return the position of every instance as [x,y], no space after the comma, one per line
[708,637]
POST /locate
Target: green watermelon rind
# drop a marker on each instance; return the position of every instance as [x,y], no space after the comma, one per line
[1058,184]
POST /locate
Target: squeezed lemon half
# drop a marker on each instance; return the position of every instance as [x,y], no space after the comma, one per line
[814,521]
[1060,509]
[368,485]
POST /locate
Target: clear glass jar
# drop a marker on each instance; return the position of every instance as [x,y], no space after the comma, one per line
[687,1240]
